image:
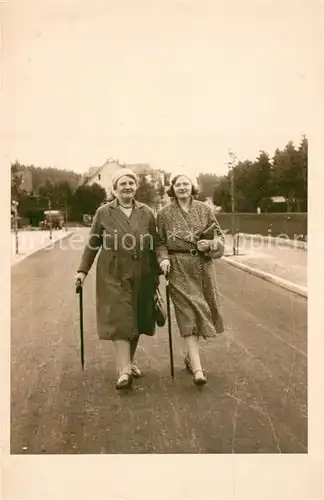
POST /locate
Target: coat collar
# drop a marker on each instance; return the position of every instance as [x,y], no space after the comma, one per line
[127,225]
[186,225]
[114,204]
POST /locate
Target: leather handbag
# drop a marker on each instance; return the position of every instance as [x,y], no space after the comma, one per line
[209,234]
[159,309]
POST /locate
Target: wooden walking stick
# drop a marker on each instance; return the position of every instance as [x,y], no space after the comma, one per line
[79,290]
[169,324]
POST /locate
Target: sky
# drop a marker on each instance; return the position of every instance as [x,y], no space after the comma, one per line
[170,83]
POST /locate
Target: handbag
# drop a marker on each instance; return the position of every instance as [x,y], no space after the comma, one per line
[209,234]
[159,309]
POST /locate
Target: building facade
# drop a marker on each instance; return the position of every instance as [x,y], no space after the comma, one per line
[103,175]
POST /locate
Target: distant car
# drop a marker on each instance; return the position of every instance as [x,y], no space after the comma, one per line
[52,218]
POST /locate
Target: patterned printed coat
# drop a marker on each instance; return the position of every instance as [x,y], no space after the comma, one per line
[127,270]
[192,279]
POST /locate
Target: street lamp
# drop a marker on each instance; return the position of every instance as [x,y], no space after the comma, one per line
[50,218]
[15,211]
[231,165]
[66,216]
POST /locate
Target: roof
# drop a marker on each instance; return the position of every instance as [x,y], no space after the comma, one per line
[140,168]
[93,171]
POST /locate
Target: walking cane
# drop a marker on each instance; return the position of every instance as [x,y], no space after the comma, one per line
[169,323]
[79,290]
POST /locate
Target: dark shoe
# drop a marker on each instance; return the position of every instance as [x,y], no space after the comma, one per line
[135,371]
[188,364]
[199,378]
[125,381]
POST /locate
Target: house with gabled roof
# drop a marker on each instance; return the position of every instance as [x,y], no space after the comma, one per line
[103,175]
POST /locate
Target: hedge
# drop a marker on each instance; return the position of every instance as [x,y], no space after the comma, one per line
[294,225]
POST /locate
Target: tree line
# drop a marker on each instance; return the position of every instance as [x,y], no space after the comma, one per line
[61,190]
[37,190]
[256,185]
[259,183]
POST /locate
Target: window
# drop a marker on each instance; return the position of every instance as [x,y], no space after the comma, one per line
[99,177]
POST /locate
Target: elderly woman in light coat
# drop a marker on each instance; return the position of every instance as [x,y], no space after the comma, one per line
[189,241]
[127,272]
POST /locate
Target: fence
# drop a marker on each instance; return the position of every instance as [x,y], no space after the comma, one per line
[267,224]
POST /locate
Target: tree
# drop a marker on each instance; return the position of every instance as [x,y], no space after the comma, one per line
[207,183]
[62,194]
[289,177]
[303,159]
[252,183]
[160,190]
[263,172]
[243,186]
[222,195]
[146,192]
[40,176]
[167,177]
[16,181]
[47,190]
[200,196]
[260,181]
[86,199]
[252,186]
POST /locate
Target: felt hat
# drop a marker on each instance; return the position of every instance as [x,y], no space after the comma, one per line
[120,173]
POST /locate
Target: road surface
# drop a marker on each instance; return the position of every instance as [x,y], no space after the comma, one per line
[255,401]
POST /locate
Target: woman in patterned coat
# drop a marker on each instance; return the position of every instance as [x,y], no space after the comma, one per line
[127,272]
[189,239]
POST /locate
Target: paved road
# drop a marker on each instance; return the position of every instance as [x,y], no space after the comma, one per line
[255,402]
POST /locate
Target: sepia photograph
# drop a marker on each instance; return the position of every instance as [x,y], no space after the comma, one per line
[158,158]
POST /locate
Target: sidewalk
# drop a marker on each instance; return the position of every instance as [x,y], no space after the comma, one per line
[30,242]
[271,260]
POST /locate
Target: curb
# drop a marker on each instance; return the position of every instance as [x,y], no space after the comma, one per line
[288,285]
[24,256]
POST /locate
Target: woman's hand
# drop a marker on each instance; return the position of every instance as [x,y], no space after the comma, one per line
[79,278]
[203,245]
[165,266]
